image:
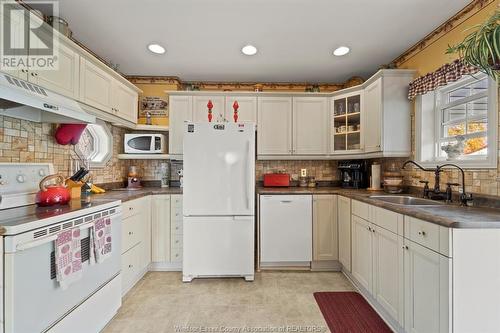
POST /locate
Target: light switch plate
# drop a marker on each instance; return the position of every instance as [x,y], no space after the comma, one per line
[303,172]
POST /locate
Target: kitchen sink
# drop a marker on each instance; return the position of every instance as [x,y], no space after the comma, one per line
[405,200]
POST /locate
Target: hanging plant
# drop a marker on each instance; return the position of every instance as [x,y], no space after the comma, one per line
[481,48]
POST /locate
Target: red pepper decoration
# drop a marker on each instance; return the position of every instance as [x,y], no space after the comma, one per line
[210,107]
[235,114]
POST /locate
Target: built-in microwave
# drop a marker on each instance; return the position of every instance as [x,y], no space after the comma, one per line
[145,144]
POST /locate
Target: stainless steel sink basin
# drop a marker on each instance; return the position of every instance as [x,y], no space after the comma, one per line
[405,200]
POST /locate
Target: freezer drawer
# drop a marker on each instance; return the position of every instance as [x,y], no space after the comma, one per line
[218,246]
[285,229]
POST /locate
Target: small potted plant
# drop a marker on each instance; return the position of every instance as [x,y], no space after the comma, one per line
[481,48]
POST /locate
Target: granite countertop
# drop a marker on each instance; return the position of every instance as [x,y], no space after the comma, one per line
[28,214]
[447,215]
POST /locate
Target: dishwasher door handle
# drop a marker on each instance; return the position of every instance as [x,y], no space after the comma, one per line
[286,201]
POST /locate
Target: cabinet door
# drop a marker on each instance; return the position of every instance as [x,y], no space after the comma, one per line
[346,123]
[344,220]
[325,230]
[160,228]
[362,263]
[373,116]
[247,111]
[274,130]
[180,110]
[425,290]
[66,79]
[17,42]
[146,233]
[200,109]
[125,102]
[95,86]
[310,125]
[388,272]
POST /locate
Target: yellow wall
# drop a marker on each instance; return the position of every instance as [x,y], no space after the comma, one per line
[155,90]
[433,55]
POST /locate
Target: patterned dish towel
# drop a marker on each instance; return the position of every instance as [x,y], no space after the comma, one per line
[101,239]
[68,253]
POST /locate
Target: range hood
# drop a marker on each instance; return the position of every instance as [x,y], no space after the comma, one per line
[25,100]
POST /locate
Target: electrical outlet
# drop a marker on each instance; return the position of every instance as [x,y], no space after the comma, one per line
[303,172]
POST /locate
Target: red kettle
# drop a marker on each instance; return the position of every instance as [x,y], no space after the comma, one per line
[50,195]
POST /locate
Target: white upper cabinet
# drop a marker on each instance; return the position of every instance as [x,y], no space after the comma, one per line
[200,108]
[310,125]
[247,111]
[17,40]
[125,102]
[96,86]
[346,123]
[180,111]
[373,113]
[274,130]
[66,79]
[387,123]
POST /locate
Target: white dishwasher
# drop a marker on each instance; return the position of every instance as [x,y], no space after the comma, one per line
[285,230]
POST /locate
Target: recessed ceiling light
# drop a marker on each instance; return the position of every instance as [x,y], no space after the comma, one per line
[249,50]
[340,51]
[156,48]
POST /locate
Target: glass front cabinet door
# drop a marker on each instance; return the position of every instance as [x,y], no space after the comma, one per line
[346,124]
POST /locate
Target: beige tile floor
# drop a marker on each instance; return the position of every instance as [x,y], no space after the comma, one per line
[161,303]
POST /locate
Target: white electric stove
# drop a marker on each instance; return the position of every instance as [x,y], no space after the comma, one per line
[33,301]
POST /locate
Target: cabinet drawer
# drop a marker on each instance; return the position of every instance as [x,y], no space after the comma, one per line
[176,241]
[422,232]
[361,209]
[132,207]
[130,260]
[131,232]
[176,255]
[388,220]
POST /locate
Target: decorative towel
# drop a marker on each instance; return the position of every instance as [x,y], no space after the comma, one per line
[101,237]
[68,253]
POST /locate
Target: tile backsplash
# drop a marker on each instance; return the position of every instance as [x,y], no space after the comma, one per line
[23,141]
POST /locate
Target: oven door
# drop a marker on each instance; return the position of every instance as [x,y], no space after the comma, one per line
[34,301]
[143,144]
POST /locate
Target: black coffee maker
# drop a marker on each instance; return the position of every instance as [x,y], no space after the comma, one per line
[354,174]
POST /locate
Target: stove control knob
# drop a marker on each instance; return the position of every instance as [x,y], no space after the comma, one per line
[20,178]
[2,182]
[42,173]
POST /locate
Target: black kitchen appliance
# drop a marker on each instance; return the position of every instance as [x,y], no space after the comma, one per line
[354,174]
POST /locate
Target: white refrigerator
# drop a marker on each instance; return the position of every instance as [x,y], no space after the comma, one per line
[218,200]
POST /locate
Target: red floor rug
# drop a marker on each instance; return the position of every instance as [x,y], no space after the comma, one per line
[348,312]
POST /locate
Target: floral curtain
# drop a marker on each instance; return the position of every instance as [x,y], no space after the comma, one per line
[441,77]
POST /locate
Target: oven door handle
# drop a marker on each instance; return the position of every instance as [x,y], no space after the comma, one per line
[29,245]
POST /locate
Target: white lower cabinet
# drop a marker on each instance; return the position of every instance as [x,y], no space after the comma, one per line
[362,252]
[136,241]
[325,229]
[160,228]
[167,232]
[426,290]
[388,272]
[344,222]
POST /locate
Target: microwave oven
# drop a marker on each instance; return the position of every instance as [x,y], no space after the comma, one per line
[145,144]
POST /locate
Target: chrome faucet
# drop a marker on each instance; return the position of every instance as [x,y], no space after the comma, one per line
[435,193]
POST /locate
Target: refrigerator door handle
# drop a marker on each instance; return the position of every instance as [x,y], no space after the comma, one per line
[249,175]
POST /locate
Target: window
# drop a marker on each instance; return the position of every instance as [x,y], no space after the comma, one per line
[95,145]
[458,123]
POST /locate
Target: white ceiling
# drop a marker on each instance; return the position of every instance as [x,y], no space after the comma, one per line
[295,38]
